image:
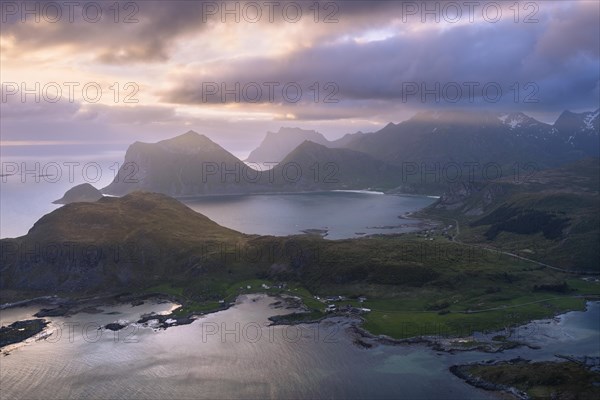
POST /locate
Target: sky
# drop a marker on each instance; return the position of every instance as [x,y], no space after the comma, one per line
[90,78]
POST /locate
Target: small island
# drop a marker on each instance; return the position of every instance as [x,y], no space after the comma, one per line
[80,193]
[523,379]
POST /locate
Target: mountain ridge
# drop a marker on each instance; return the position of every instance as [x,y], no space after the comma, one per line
[425,145]
[276,145]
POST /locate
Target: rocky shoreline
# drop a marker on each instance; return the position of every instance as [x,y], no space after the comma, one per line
[55,306]
[20,331]
[365,339]
[451,345]
[300,315]
[461,371]
[577,377]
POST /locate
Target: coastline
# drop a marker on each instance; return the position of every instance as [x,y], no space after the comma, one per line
[488,342]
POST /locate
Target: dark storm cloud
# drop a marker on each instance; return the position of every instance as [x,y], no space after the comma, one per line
[146,31]
[572,32]
[562,75]
[138,31]
[559,53]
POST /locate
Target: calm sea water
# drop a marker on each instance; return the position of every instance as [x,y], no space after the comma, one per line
[234,354]
[343,214]
[27,195]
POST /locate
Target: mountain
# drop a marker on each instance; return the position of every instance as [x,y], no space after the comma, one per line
[457,136]
[144,240]
[449,136]
[482,137]
[80,193]
[276,145]
[580,131]
[346,139]
[425,154]
[189,164]
[312,166]
[550,215]
[110,244]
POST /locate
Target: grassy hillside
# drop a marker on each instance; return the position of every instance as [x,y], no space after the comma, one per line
[147,242]
[551,216]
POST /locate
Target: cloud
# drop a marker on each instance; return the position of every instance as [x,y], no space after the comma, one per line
[402,69]
[136,31]
[365,61]
[147,31]
[572,31]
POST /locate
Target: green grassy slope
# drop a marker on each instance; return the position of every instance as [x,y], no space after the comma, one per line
[551,216]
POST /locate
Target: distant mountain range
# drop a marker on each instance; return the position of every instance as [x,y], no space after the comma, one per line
[191,164]
[425,154]
[142,240]
[483,137]
[277,145]
[458,136]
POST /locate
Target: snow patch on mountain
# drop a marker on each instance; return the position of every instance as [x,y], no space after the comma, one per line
[515,121]
[589,119]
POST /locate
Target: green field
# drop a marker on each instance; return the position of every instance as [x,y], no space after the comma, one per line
[461,300]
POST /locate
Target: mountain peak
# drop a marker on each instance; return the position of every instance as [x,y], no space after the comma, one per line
[172,166]
[295,130]
[190,138]
[517,120]
[276,145]
[574,123]
[565,113]
[309,144]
